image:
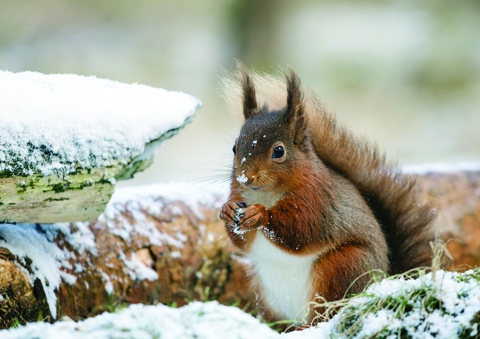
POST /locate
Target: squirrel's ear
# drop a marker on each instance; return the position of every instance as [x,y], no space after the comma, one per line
[294,114]
[249,98]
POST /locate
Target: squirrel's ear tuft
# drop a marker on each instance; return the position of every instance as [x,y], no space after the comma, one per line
[294,115]
[249,98]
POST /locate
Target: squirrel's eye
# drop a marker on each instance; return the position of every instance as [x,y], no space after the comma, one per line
[278,152]
[234,149]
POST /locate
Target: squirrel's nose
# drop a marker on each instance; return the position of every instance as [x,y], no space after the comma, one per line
[244,179]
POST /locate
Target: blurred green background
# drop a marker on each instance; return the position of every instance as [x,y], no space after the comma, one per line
[405,73]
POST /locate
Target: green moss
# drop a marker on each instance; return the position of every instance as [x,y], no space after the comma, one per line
[61,187]
[129,171]
[56,199]
[468,333]
[21,187]
[6,174]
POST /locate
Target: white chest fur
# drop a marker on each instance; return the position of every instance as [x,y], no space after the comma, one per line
[284,279]
[267,199]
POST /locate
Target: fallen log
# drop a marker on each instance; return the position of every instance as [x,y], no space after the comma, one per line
[456,196]
[150,248]
[165,244]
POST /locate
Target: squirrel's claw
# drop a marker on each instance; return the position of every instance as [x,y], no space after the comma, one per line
[236,214]
[228,213]
[253,216]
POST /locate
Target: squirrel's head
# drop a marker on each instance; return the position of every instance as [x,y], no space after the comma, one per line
[273,144]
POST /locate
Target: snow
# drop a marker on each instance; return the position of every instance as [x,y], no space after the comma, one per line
[242,178]
[82,240]
[147,198]
[137,269]
[458,296]
[47,260]
[177,210]
[423,169]
[143,202]
[108,282]
[176,254]
[196,320]
[52,124]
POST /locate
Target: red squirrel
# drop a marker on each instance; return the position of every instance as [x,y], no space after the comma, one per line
[313,206]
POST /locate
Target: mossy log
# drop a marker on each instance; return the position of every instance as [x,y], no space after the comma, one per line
[36,199]
[195,260]
[79,196]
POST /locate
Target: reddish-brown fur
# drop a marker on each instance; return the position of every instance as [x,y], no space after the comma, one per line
[337,198]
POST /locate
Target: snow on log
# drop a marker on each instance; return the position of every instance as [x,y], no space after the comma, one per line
[66,139]
[165,244]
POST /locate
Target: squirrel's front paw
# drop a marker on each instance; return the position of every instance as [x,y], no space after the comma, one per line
[229,212]
[254,216]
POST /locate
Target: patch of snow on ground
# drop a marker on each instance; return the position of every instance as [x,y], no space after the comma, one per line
[52,123]
[196,320]
[47,259]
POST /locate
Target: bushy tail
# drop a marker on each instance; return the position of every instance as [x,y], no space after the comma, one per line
[393,196]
